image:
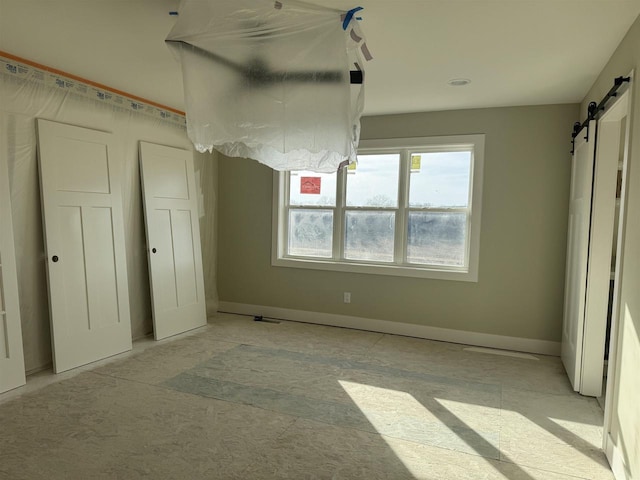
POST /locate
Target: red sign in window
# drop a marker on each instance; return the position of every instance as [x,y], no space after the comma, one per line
[310,185]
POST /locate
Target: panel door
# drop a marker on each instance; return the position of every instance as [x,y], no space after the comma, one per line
[577,253]
[609,152]
[11,354]
[173,239]
[84,244]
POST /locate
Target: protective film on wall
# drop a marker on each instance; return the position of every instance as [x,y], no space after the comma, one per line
[271,80]
[28,93]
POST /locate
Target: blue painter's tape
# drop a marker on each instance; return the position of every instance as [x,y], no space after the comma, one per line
[349,16]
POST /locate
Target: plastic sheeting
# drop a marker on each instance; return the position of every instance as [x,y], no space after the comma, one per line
[269,80]
[21,102]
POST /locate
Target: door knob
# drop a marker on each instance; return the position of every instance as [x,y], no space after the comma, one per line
[54,259]
[153,250]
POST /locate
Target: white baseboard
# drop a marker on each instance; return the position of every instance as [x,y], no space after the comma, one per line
[616,460]
[33,371]
[543,347]
[212,306]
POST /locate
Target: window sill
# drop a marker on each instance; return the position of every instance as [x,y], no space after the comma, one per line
[378,269]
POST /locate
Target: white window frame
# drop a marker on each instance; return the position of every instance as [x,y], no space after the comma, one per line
[404,146]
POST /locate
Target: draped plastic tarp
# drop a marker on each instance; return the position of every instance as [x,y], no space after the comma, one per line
[269,80]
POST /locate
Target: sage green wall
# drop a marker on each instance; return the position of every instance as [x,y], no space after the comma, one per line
[523,233]
[626,413]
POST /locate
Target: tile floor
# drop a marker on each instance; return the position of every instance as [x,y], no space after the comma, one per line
[246,400]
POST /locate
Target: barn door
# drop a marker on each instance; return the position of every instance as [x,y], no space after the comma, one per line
[578,252]
[173,239]
[11,355]
[609,152]
[84,244]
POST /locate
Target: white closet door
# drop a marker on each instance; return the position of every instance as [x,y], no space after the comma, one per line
[84,243]
[577,253]
[173,239]
[11,355]
[603,214]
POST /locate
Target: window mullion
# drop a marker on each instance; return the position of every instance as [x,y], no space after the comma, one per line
[310,207]
[467,246]
[440,210]
[284,233]
[400,250]
[338,216]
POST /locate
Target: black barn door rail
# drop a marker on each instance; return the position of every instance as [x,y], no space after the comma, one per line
[594,109]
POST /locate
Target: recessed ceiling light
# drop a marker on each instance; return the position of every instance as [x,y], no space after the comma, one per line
[459,82]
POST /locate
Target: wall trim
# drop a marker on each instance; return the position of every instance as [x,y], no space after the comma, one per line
[211,306]
[616,460]
[18,67]
[543,347]
[42,368]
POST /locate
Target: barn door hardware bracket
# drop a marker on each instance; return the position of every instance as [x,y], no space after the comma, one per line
[595,109]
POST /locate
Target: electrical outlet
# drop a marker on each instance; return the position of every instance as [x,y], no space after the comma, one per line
[347,297]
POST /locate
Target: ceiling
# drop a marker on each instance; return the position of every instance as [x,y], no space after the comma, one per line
[516,52]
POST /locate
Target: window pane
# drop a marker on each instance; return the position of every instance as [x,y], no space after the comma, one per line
[310,233]
[436,238]
[311,188]
[369,236]
[439,179]
[374,181]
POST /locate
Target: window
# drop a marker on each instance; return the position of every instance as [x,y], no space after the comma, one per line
[409,207]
